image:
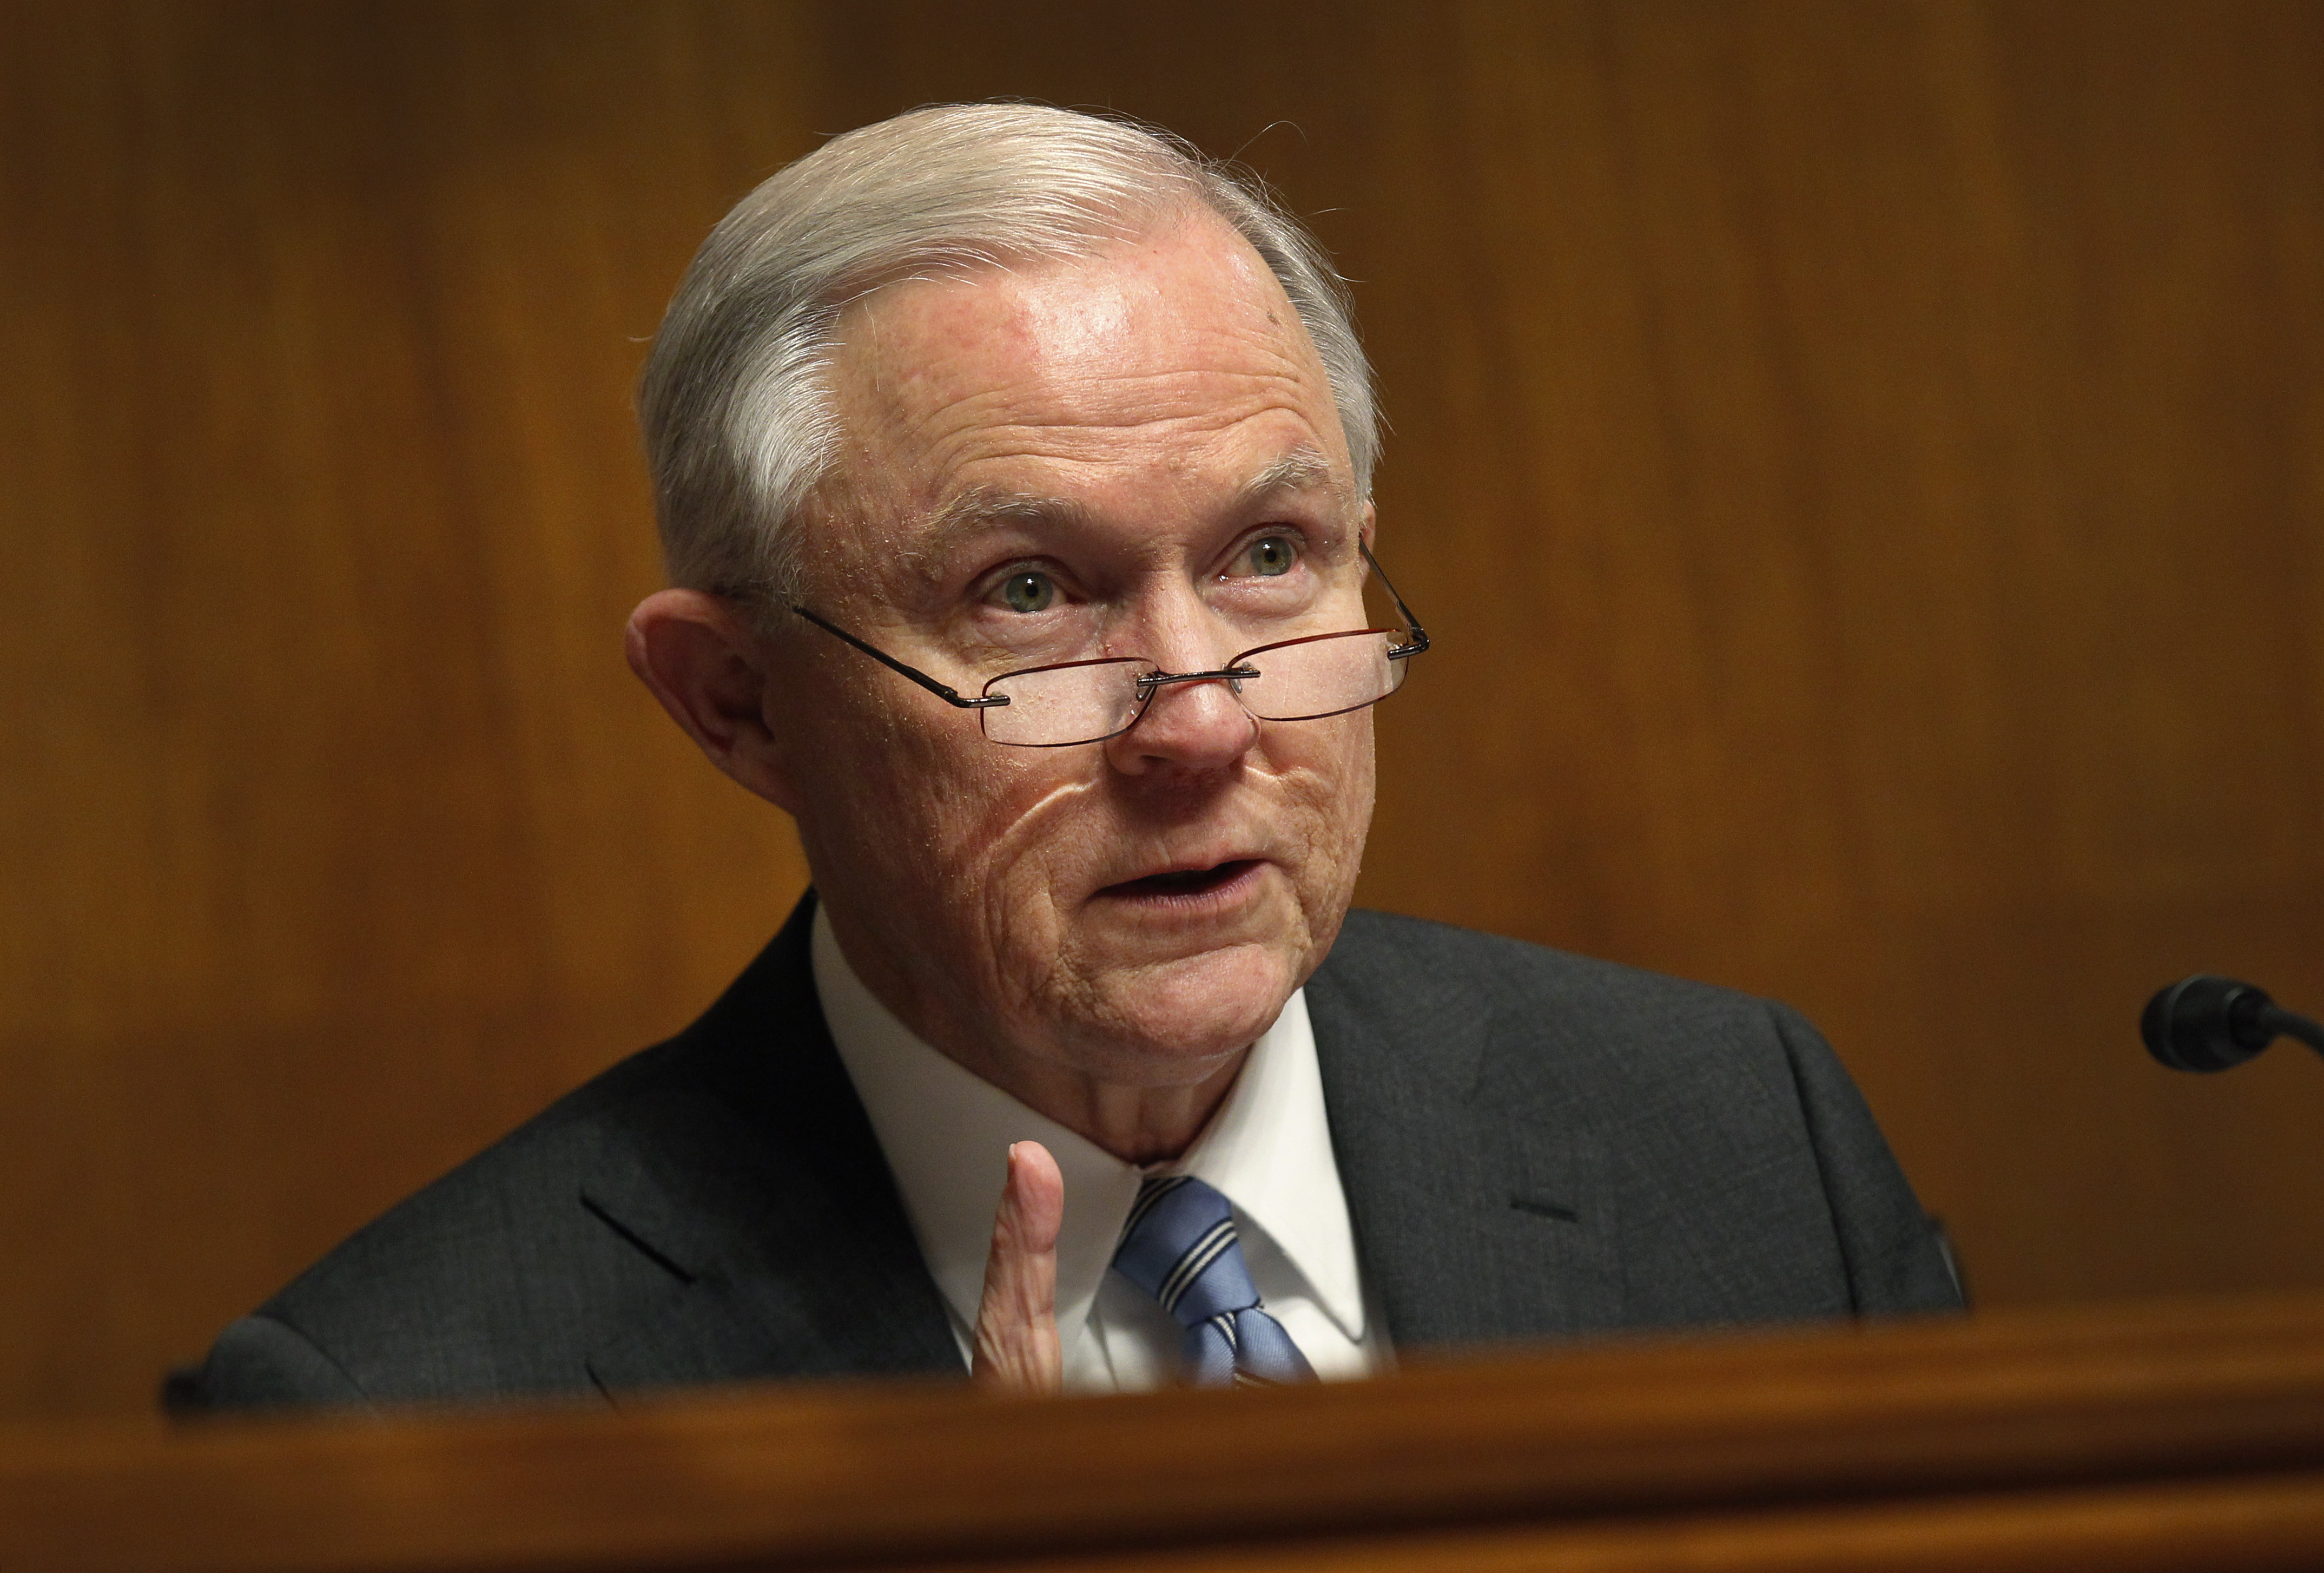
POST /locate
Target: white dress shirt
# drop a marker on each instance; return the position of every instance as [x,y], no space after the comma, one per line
[946,1132]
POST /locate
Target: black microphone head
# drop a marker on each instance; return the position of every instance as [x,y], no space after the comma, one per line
[2206,1024]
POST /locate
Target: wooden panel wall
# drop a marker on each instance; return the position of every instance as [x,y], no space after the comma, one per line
[1863,463]
[337,835]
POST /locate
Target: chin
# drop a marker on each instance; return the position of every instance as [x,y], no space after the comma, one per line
[1177,1020]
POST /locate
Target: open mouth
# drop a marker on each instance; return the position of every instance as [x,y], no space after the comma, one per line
[1186,881]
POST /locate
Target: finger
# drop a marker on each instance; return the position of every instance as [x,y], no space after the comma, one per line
[1016,1349]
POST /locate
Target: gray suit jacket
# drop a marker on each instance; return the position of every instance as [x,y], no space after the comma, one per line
[1532,1145]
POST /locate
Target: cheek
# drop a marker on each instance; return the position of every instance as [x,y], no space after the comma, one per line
[881,788]
[966,834]
[1326,882]
[1333,778]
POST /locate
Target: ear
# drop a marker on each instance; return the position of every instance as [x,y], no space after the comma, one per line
[711,670]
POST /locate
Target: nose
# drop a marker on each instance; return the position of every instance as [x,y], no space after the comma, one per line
[1197,726]
[1192,725]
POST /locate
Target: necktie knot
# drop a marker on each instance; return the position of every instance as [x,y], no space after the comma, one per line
[1180,1246]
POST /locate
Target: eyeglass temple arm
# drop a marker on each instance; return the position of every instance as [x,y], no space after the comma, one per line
[949,696]
[1412,623]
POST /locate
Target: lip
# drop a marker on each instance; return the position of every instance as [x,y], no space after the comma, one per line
[1188,885]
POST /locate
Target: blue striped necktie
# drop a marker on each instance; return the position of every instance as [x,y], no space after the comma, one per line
[1180,1246]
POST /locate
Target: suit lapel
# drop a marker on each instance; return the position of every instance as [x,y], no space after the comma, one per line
[748,1170]
[1483,1210]
[751,1174]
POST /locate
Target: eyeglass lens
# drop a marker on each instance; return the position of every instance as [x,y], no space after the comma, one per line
[1088,701]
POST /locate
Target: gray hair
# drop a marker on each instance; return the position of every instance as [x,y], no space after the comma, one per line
[737,415]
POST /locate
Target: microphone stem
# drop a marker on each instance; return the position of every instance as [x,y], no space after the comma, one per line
[2276,1019]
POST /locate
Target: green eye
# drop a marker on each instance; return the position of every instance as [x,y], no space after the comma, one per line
[1028,592]
[1272,556]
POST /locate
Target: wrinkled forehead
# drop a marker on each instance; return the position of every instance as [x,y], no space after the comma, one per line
[1178,349]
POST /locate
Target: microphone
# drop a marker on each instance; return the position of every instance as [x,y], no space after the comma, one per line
[2211,1023]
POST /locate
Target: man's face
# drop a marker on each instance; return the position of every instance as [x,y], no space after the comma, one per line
[1136,454]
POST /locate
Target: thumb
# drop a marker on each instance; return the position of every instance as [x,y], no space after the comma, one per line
[1016,1349]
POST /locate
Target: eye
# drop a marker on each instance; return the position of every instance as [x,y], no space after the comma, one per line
[1272,556]
[1028,592]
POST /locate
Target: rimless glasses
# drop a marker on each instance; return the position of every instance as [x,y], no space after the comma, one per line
[1089,702]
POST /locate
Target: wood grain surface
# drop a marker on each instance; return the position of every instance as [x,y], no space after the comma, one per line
[1863,465]
[2052,1432]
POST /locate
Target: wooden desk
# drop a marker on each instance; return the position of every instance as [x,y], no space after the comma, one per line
[2167,1437]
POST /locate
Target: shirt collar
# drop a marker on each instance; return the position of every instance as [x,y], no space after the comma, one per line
[1269,1148]
[946,1132]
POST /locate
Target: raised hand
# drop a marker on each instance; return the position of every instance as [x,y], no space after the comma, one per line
[1016,1349]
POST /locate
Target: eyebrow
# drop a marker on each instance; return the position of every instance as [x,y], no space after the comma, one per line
[1303,468]
[981,508]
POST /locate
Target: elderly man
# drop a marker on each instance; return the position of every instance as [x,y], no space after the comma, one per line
[1013,472]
